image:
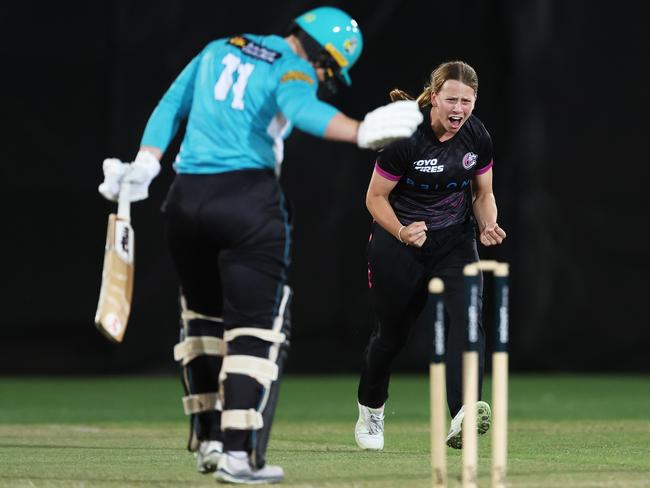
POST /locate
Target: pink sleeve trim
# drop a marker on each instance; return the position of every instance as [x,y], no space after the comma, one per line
[486,169]
[386,174]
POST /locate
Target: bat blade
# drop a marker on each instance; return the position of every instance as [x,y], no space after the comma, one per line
[114,304]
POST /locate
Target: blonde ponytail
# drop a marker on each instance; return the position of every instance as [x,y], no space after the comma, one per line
[423,99]
[396,94]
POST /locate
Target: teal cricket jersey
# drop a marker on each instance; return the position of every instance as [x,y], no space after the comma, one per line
[241,96]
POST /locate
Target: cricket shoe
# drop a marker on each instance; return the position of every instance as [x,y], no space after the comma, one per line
[369,431]
[235,467]
[484,419]
[208,455]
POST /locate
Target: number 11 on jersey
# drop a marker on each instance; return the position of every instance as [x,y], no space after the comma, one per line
[232,63]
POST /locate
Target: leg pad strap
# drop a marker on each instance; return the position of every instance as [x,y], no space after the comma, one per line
[187,315]
[264,334]
[201,402]
[195,346]
[263,370]
[241,419]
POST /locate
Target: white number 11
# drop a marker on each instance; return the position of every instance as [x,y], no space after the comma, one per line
[225,82]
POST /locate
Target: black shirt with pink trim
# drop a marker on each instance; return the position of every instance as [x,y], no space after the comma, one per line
[434,178]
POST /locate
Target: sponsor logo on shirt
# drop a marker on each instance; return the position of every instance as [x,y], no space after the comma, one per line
[469,160]
[450,186]
[254,50]
[428,166]
[296,76]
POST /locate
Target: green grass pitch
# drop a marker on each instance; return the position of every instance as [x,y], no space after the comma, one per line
[565,431]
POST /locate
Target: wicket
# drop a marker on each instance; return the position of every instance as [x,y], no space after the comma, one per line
[437,390]
[471,273]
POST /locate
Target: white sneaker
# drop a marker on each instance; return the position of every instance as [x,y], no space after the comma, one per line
[208,455]
[484,419]
[369,431]
[235,467]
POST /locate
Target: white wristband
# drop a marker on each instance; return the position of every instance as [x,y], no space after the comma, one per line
[399,235]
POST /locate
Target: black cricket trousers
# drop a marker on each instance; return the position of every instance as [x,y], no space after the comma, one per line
[398,277]
[229,236]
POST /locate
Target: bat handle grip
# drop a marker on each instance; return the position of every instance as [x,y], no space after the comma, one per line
[123,203]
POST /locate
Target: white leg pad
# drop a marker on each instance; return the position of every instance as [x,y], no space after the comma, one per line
[195,346]
[241,420]
[263,370]
[201,402]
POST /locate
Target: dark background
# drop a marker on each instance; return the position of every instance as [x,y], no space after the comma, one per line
[563,91]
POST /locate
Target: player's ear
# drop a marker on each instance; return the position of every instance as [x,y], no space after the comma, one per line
[434,99]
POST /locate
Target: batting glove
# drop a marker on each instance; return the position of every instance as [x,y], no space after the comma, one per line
[114,171]
[387,123]
[142,170]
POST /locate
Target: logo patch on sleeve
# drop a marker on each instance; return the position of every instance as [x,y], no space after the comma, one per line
[469,160]
[254,50]
[296,76]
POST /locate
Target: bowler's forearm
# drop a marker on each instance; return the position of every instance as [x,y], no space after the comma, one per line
[485,210]
[383,213]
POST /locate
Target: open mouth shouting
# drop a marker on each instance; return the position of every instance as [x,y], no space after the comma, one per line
[455,121]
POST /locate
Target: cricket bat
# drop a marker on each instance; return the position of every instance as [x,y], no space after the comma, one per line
[116,290]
